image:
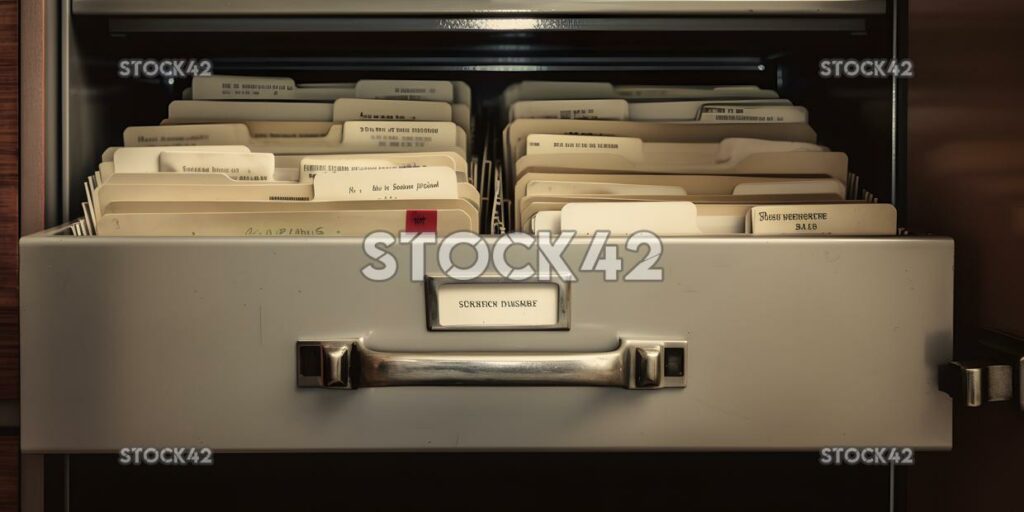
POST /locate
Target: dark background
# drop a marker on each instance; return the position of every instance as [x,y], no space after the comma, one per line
[966,179]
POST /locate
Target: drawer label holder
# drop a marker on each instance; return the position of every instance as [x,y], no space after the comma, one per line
[495,303]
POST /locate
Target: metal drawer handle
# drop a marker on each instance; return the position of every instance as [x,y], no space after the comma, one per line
[348,364]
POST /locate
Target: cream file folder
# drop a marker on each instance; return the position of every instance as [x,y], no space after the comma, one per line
[350,137]
[517,132]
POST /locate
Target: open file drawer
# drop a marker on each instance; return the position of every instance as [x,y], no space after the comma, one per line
[791,343]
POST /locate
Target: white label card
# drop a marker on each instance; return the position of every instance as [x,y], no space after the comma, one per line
[497,305]
[669,218]
[237,166]
[419,90]
[226,87]
[755,114]
[350,109]
[388,184]
[824,219]
[400,136]
[630,148]
[572,188]
[614,110]
[241,87]
[288,129]
[687,110]
[310,166]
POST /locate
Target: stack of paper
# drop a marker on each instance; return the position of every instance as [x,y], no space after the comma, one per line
[675,161]
[264,156]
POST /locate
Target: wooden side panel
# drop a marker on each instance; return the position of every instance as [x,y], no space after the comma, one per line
[9,225]
[966,179]
[9,230]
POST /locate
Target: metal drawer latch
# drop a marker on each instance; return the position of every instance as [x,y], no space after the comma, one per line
[998,378]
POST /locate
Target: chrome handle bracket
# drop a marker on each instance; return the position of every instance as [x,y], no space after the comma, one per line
[325,364]
[348,364]
[998,377]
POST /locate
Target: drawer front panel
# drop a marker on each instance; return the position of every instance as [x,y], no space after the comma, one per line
[791,344]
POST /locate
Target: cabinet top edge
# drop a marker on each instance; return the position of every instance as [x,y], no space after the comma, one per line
[474,8]
[50,238]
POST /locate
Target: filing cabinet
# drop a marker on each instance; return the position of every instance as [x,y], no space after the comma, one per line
[784,344]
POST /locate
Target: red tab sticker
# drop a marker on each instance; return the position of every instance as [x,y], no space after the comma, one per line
[421,221]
